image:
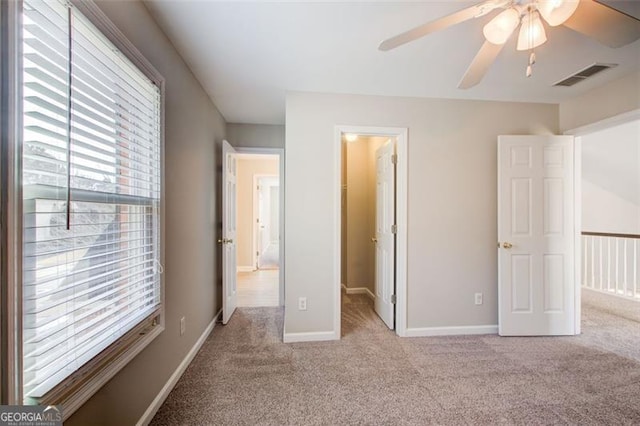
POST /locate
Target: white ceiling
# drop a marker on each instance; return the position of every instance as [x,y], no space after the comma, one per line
[247,55]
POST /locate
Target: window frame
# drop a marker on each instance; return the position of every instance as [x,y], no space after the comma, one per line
[74,391]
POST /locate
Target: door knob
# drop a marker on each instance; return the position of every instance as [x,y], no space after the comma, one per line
[221,241]
[374,240]
[507,245]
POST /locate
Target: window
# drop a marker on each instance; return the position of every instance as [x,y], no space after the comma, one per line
[91,189]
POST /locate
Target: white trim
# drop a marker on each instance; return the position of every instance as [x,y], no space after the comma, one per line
[607,123]
[337,238]
[315,336]
[173,380]
[359,290]
[451,331]
[577,231]
[402,236]
[246,269]
[252,152]
[402,148]
[11,185]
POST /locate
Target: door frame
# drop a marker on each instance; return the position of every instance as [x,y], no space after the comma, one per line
[577,134]
[243,151]
[402,142]
[256,214]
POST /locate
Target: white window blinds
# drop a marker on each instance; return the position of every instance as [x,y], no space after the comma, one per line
[91,190]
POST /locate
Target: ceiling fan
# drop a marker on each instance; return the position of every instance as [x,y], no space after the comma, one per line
[602,23]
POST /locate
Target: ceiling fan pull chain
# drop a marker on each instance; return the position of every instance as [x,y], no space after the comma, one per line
[532,60]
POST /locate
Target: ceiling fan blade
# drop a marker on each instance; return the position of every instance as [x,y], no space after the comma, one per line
[480,64]
[477,10]
[604,24]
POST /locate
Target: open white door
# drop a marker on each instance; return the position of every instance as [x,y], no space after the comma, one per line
[385,233]
[229,290]
[536,236]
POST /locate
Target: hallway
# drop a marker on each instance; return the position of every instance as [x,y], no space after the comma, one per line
[258,288]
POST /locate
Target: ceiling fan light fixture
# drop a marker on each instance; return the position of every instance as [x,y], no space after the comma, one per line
[532,32]
[556,12]
[500,28]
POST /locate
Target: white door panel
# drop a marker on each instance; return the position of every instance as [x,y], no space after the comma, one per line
[228,241]
[385,236]
[536,235]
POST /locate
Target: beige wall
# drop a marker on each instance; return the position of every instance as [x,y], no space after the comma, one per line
[611,178]
[452,201]
[358,254]
[612,99]
[255,135]
[192,125]
[247,169]
[620,215]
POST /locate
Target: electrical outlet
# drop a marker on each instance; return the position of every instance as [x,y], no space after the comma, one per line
[183,325]
[302,303]
[478,298]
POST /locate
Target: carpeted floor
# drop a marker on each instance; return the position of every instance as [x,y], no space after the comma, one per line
[244,375]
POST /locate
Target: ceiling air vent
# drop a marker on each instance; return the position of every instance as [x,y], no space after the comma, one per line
[584,74]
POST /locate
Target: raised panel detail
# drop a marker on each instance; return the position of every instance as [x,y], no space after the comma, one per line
[553,207]
[520,156]
[521,291]
[521,207]
[553,283]
[553,156]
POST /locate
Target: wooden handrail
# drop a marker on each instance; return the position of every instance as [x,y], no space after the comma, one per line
[608,234]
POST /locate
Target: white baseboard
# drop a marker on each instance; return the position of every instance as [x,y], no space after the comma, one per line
[309,337]
[358,290]
[166,389]
[246,269]
[451,331]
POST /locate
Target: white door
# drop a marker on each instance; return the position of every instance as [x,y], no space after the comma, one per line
[268,238]
[536,236]
[228,241]
[385,233]
[263,220]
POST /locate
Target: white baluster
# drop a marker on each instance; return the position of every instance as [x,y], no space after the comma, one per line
[593,263]
[635,269]
[608,262]
[624,282]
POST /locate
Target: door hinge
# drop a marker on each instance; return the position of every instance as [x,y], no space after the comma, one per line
[393,299]
[394,229]
[394,158]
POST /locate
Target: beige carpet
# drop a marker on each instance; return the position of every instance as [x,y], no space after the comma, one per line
[244,375]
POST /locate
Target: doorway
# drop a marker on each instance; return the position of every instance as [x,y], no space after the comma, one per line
[372,202]
[610,157]
[258,229]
